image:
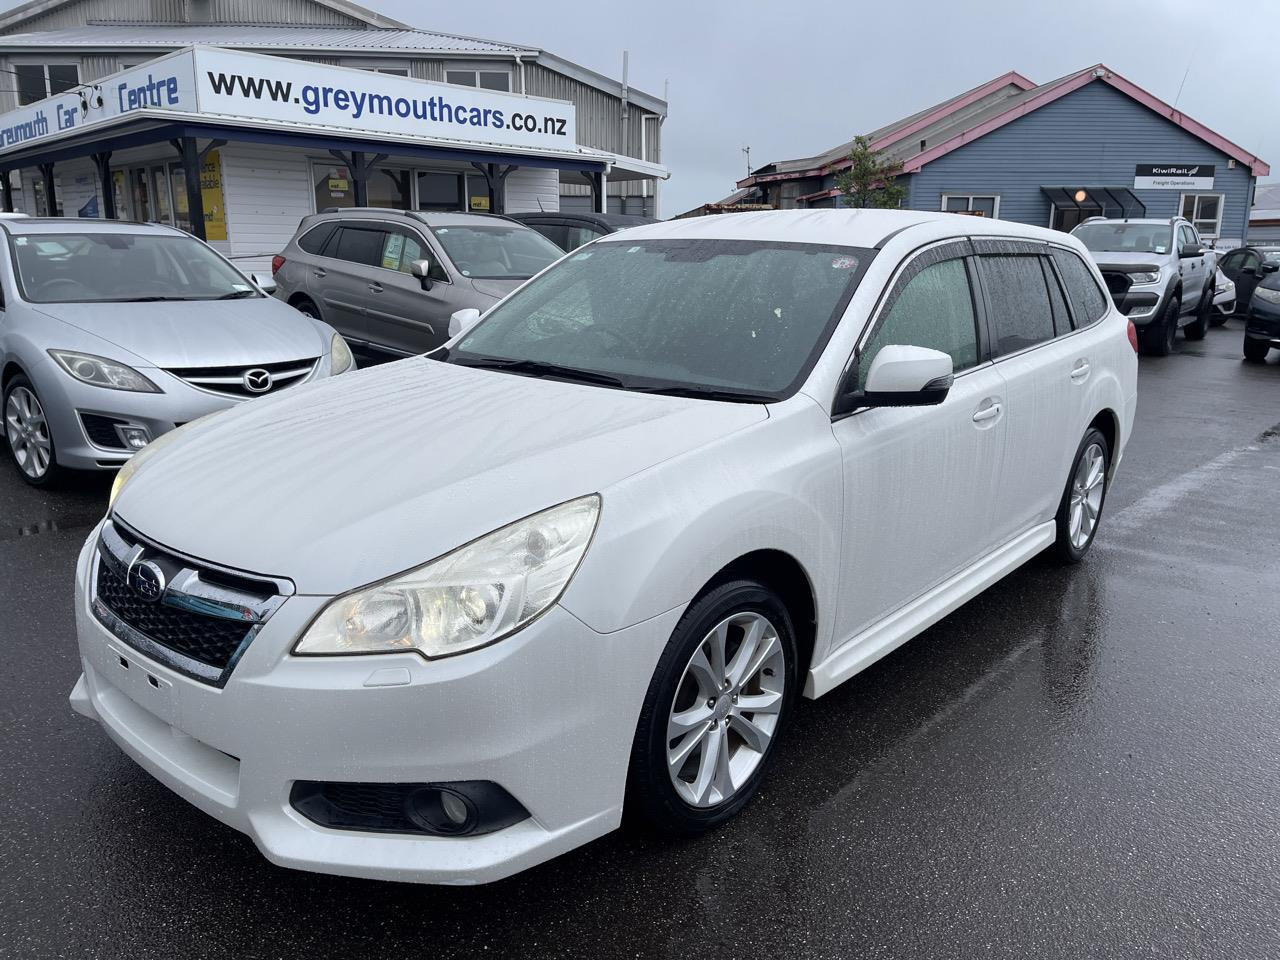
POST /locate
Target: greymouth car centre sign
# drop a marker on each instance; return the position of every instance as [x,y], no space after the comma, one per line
[227,84]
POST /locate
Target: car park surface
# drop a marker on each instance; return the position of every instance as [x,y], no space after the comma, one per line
[1078,763]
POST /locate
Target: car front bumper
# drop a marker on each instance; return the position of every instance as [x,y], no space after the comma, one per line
[548,714]
[66,399]
[1263,322]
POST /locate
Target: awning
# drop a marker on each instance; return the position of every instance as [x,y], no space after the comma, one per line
[1097,201]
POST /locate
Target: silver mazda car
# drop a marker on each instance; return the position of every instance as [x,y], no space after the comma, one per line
[113,333]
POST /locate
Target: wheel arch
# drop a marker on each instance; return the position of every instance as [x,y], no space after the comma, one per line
[786,576]
[11,369]
[1108,423]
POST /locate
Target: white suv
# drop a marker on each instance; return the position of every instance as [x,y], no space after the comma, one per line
[440,621]
[1159,273]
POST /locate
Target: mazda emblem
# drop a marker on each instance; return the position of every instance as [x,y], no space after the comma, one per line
[257,380]
[147,580]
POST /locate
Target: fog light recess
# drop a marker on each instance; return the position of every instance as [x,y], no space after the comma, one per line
[456,809]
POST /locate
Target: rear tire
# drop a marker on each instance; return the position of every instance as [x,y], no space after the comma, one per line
[1080,511]
[1255,351]
[710,722]
[306,306]
[1157,337]
[1198,327]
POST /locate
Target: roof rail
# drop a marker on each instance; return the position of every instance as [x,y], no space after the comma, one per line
[1091,219]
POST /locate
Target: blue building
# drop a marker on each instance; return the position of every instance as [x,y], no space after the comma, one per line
[1087,144]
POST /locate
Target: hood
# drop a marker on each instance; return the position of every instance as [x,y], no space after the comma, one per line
[350,480]
[198,333]
[1132,261]
[496,288]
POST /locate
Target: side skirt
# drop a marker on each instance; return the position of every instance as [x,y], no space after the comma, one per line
[885,636]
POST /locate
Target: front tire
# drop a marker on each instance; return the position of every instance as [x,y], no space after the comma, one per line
[306,306]
[720,698]
[1157,337]
[1080,510]
[1255,351]
[27,434]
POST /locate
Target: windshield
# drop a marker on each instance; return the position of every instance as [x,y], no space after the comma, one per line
[116,267]
[737,317]
[1126,237]
[497,251]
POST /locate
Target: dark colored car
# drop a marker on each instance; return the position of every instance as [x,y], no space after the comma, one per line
[571,230]
[1262,318]
[1244,267]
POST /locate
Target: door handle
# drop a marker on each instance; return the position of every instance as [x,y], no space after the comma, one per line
[318,274]
[375,288]
[1080,371]
[989,412]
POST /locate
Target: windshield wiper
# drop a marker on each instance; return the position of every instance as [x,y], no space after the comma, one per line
[706,393]
[237,295]
[150,299]
[539,368]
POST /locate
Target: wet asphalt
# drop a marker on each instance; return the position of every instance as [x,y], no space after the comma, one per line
[1079,763]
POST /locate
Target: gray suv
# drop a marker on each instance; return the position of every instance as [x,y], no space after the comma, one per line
[389,280]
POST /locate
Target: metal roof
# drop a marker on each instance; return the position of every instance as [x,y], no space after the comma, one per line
[310,39]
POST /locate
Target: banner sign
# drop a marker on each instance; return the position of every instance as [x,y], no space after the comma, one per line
[210,82]
[1173,176]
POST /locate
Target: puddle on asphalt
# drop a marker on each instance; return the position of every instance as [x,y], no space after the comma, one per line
[47,526]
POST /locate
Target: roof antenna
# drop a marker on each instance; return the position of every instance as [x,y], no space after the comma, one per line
[747,151]
[1180,86]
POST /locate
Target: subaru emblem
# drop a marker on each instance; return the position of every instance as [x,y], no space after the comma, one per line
[147,580]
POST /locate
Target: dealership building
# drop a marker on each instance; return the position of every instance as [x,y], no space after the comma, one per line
[302,105]
[1088,144]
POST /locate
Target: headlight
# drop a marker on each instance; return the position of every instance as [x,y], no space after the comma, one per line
[1145,277]
[102,372]
[1267,294]
[471,597]
[341,358]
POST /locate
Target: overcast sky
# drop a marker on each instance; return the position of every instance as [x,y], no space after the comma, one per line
[792,79]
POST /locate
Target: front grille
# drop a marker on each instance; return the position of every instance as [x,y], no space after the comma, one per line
[1117,283]
[210,640]
[230,381]
[197,618]
[101,431]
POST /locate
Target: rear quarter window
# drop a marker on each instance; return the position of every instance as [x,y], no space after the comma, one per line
[313,240]
[1087,298]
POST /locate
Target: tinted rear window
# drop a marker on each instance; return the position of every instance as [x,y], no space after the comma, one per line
[1018,299]
[313,240]
[359,245]
[1088,299]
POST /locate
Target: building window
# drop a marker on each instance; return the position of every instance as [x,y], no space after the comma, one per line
[39,80]
[386,187]
[1205,211]
[392,71]
[975,205]
[485,79]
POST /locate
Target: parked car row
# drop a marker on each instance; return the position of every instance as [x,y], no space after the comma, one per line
[485,625]
[1161,275]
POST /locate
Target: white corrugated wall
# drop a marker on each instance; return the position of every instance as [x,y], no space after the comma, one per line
[532,190]
[268,190]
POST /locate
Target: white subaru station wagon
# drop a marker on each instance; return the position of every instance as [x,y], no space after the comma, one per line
[444,619]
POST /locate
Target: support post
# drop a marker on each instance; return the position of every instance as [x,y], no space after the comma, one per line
[360,169]
[495,175]
[50,190]
[599,198]
[102,161]
[7,189]
[191,177]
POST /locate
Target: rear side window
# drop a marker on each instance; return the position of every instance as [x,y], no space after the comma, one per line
[361,245]
[313,240]
[1061,315]
[1087,298]
[934,309]
[1017,301]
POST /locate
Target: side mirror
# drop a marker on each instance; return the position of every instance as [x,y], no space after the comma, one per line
[1190,250]
[462,321]
[1270,266]
[266,284]
[900,376]
[422,270]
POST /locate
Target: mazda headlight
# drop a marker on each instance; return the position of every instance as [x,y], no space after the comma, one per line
[1145,277]
[340,357]
[466,599]
[1267,294]
[102,372]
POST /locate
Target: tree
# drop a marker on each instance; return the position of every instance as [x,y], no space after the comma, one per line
[871,179]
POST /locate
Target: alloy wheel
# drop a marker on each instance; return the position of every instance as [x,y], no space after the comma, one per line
[726,708]
[28,432]
[1087,488]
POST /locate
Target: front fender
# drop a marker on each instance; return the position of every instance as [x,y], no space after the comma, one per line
[666,532]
